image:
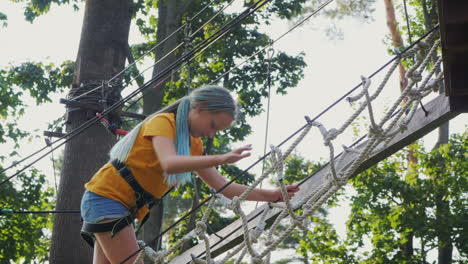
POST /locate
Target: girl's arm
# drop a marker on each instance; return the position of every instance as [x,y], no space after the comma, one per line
[204,166]
[172,163]
[215,180]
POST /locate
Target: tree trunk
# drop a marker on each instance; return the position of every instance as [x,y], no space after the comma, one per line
[101,55]
[193,217]
[445,243]
[196,198]
[169,20]
[397,42]
[443,215]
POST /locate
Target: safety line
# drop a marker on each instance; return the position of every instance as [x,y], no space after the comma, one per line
[313,120]
[42,149]
[146,53]
[11,211]
[196,51]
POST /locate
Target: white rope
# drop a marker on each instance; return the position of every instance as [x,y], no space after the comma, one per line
[380,133]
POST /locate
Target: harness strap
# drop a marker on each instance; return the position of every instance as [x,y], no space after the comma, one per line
[142,197]
[113,226]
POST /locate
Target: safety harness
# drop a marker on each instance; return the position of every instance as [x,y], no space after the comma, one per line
[142,198]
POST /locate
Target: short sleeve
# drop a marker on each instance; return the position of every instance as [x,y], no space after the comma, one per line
[196,148]
[160,125]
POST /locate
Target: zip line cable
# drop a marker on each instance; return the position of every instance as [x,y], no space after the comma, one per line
[145,86]
[191,36]
[407,21]
[165,56]
[320,114]
[164,40]
[276,40]
[271,52]
[279,145]
[340,99]
[335,157]
[10,211]
[145,54]
[196,51]
[331,105]
[99,87]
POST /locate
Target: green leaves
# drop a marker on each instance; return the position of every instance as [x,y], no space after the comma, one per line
[36,8]
[36,79]
[3,20]
[23,237]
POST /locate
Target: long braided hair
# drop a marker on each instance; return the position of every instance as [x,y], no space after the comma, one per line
[208,98]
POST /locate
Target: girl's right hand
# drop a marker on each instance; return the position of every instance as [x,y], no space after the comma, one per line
[237,154]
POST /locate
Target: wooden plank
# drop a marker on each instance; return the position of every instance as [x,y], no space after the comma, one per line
[453,27]
[54,134]
[98,108]
[232,235]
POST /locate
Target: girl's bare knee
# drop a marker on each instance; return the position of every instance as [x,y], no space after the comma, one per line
[120,246]
[99,256]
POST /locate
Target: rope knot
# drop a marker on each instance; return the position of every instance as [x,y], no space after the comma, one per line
[276,158]
[255,234]
[235,204]
[403,127]
[415,94]
[375,131]
[156,257]
[423,45]
[330,135]
[200,229]
[257,260]
[416,76]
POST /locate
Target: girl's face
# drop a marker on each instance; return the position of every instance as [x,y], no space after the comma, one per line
[206,124]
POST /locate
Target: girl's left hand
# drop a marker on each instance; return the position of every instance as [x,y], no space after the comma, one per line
[278,195]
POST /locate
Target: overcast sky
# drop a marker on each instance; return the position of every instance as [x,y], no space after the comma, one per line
[334,67]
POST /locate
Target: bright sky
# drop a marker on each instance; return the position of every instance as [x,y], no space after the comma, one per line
[334,67]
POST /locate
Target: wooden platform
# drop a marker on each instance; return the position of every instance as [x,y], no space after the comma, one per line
[453,19]
[438,113]
[453,16]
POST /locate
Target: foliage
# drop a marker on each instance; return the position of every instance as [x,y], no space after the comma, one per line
[24,237]
[39,81]
[389,204]
[3,20]
[340,9]
[36,8]
[249,81]
[320,243]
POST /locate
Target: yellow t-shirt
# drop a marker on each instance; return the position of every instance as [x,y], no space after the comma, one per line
[143,163]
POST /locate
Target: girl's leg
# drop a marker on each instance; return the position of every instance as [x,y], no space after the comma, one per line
[99,256]
[119,247]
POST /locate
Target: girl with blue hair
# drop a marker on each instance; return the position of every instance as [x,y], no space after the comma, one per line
[158,153]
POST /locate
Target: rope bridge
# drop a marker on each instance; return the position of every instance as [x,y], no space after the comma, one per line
[381,135]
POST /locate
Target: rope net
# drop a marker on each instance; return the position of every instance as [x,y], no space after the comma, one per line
[422,81]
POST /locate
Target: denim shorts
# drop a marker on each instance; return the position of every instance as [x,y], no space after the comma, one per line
[95,208]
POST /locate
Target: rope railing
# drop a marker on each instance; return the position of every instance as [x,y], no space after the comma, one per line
[195,52]
[379,134]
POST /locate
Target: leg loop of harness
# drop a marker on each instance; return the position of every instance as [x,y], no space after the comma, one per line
[142,198]
[88,229]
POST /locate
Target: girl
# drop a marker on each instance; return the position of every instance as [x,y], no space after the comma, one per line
[160,152]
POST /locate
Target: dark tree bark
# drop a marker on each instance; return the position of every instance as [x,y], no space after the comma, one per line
[101,55]
[170,15]
[445,243]
[406,248]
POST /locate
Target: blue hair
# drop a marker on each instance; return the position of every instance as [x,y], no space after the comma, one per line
[208,98]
